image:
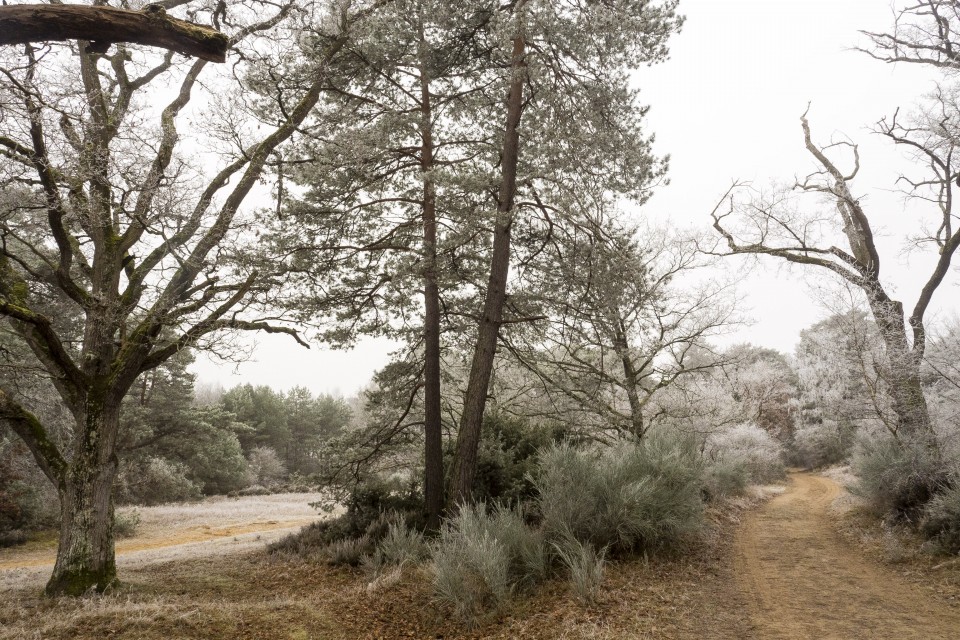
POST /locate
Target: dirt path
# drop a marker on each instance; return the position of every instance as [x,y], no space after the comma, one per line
[805,582]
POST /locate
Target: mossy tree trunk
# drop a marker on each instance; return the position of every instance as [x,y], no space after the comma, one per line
[85,555]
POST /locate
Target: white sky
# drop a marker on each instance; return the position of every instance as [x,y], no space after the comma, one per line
[725,106]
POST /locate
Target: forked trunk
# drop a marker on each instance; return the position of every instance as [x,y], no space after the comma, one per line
[85,556]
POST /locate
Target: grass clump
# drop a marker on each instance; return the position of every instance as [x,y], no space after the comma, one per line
[585,566]
[482,556]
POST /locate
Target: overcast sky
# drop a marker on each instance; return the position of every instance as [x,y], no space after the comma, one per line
[726,106]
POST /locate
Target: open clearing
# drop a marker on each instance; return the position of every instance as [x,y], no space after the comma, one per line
[211,527]
[781,570]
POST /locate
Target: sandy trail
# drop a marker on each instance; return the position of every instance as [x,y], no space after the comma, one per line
[805,582]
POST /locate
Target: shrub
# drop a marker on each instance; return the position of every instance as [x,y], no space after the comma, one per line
[507,459]
[28,501]
[482,556]
[632,496]
[585,566]
[126,523]
[264,467]
[365,515]
[724,478]
[154,481]
[941,519]
[898,477]
[749,447]
[401,545]
[825,443]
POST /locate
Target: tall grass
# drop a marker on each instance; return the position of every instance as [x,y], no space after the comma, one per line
[483,556]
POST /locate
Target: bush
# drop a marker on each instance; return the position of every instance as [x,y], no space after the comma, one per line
[723,478]
[633,496]
[482,556]
[825,443]
[126,524]
[264,467]
[28,501]
[402,545]
[154,481]
[898,478]
[586,568]
[941,519]
[507,459]
[750,448]
[371,508]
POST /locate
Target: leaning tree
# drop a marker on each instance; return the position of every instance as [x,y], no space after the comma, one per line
[776,226]
[123,240]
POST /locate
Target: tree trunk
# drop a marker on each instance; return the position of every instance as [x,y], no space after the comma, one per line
[432,425]
[903,374]
[630,382]
[475,399]
[85,556]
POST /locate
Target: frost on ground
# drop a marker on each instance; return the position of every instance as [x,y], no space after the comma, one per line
[213,526]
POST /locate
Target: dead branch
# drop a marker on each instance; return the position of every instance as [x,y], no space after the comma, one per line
[102,26]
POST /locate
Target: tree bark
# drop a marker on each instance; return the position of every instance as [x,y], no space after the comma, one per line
[475,399]
[903,368]
[85,555]
[102,26]
[433,431]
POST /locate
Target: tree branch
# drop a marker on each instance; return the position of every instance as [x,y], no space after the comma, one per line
[102,26]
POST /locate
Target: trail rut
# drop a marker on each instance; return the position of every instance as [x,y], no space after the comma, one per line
[804,581]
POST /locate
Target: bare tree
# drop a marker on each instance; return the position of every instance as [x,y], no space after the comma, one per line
[115,224]
[776,226]
[625,320]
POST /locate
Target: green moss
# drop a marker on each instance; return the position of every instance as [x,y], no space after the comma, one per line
[77,582]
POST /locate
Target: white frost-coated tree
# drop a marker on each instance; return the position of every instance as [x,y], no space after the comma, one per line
[838,363]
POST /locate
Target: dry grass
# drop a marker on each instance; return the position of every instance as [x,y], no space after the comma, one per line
[252,595]
[212,527]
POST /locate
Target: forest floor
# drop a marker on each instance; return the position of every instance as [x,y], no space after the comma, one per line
[802,564]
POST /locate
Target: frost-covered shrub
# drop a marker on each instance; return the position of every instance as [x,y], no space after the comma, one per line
[724,478]
[401,545]
[823,443]
[126,523]
[155,481]
[630,496]
[483,555]
[898,477]
[749,447]
[264,467]
[585,566]
[371,508]
[941,518]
